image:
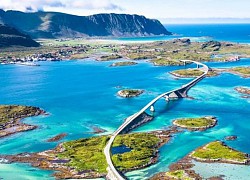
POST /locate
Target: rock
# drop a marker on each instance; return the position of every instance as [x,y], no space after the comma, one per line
[127,93]
[230,138]
[57,137]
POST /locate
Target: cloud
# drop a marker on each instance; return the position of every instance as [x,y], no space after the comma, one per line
[38,5]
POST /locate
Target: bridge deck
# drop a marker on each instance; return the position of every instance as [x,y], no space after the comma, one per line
[112,171]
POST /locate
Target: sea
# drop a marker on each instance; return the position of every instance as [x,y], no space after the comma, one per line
[82,93]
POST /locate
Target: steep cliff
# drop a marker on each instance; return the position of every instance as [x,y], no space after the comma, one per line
[55,25]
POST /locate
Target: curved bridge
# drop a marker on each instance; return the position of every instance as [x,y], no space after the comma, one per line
[181,92]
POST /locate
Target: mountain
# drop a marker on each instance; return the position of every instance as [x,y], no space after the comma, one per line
[9,36]
[57,25]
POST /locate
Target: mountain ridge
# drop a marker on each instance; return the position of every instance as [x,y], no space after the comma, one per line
[57,24]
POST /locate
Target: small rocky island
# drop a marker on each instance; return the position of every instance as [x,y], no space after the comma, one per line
[196,124]
[243,90]
[84,158]
[124,63]
[212,152]
[127,93]
[11,116]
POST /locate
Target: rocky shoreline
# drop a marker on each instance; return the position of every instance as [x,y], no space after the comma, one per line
[48,160]
[13,122]
[244,91]
[187,163]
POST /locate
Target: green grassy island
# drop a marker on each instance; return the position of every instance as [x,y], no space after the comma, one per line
[196,124]
[10,116]
[243,71]
[219,152]
[125,63]
[187,73]
[84,158]
[216,151]
[127,93]
[166,62]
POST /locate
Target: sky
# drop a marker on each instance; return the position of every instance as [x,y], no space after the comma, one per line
[158,9]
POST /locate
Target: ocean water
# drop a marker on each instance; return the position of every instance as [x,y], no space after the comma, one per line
[238,33]
[81,93]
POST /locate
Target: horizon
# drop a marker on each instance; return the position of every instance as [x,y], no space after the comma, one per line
[165,21]
[161,10]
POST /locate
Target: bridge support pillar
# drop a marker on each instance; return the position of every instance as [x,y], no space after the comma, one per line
[152,108]
[167,98]
[198,66]
[184,63]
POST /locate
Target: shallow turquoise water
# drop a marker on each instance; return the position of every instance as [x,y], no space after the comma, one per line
[79,94]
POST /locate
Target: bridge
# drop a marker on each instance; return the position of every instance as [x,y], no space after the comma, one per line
[181,92]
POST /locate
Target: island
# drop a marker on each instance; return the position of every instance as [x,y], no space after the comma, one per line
[109,57]
[192,73]
[166,62]
[84,158]
[57,137]
[124,63]
[216,151]
[196,124]
[127,93]
[11,116]
[240,71]
[243,90]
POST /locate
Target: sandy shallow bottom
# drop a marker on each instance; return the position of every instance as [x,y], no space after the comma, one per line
[230,171]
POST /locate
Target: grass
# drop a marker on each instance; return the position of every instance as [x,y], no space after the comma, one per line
[166,62]
[179,174]
[188,72]
[9,112]
[195,122]
[143,145]
[217,150]
[242,70]
[87,154]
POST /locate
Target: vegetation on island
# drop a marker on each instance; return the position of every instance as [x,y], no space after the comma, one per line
[10,116]
[244,71]
[84,158]
[166,62]
[144,147]
[218,151]
[124,63]
[200,123]
[162,53]
[11,112]
[86,154]
[179,174]
[187,73]
[130,93]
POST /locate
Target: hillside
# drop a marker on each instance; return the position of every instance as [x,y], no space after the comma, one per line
[56,25]
[11,37]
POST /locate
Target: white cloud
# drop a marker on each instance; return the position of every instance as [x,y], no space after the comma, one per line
[38,5]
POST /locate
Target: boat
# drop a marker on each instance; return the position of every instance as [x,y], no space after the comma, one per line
[27,63]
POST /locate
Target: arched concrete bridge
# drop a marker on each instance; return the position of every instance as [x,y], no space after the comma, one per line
[181,92]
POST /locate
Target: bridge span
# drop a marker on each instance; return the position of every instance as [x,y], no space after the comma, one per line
[181,92]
